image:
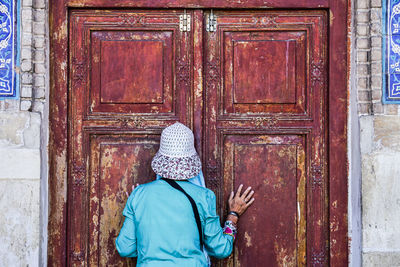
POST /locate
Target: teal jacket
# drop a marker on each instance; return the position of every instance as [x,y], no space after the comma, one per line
[160,228]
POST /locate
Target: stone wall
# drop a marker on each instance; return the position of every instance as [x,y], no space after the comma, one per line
[379,143]
[23,145]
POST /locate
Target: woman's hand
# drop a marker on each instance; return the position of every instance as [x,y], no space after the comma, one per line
[240,202]
[133,187]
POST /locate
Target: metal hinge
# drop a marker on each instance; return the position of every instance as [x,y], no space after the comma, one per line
[184,22]
[211,22]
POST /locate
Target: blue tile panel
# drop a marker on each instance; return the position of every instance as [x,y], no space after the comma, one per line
[7,49]
[391,48]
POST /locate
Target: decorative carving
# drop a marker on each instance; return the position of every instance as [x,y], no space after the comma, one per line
[213,183]
[78,70]
[212,170]
[316,175]
[135,121]
[317,72]
[269,21]
[78,171]
[77,256]
[138,121]
[212,175]
[183,72]
[79,181]
[132,19]
[259,21]
[124,122]
[78,176]
[269,123]
[213,74]
[317,258]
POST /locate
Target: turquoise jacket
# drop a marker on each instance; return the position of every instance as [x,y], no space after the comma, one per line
[160,228]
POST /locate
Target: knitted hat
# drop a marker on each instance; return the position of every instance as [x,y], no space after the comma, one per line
[177,158]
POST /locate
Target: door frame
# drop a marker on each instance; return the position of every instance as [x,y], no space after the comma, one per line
[339,69]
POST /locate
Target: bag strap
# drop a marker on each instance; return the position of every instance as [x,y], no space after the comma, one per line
[194,207]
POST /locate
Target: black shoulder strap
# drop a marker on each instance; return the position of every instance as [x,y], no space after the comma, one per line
[194,207]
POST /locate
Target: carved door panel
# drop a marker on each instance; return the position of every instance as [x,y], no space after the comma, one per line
[265,126]
[130,76]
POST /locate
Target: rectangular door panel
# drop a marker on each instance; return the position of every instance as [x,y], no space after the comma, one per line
[131,68]
[276,82]
[267,62]
[116,163]
[131,62]
[275,226]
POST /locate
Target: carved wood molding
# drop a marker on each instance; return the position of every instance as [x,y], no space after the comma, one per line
[136,121]
[318,258]
[79,182]
[78,177]
[212,175]
[317,72]
[270,123]
[183,72]
[316,176]
[78,71]
[131,19]
[213,73]
[269,21]
[78,174]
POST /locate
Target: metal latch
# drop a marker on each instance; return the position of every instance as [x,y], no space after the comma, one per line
[184,22]
[211,22]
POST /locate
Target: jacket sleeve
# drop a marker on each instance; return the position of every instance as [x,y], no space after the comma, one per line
[217,243]
[126,240]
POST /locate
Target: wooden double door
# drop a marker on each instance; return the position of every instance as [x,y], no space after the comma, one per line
[252,84]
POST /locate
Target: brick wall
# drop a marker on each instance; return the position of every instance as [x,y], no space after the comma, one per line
[33,55]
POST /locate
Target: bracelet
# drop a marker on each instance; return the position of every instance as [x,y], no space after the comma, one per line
[230,228]
[234,213]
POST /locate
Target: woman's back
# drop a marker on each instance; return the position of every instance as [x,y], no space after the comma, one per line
[165,222]
[165,226]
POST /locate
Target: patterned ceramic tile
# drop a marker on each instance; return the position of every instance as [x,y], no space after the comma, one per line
[7,49]
[391,48]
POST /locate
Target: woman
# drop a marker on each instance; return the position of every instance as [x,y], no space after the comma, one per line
[172,221]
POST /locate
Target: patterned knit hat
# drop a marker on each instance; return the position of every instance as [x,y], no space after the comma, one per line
[177,158]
